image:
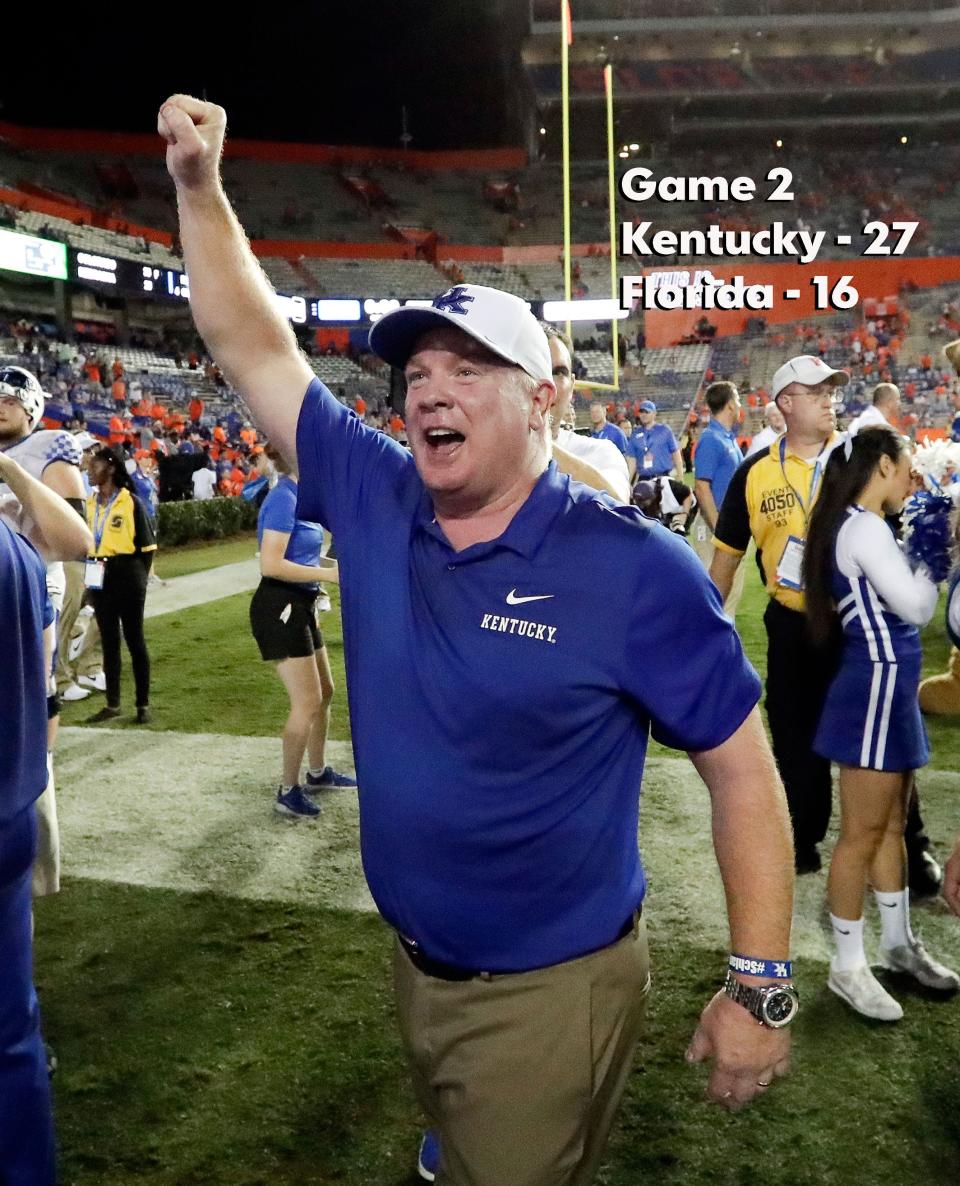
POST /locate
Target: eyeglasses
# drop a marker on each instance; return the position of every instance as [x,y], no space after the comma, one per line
[820,397]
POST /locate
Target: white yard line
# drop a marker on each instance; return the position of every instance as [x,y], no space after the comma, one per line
[197,588]
[193,812]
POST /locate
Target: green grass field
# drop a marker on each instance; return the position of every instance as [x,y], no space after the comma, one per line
[207,1039]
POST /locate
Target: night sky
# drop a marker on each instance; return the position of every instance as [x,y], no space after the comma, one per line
[336,73]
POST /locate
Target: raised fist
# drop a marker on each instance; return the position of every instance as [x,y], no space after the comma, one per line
[194,133]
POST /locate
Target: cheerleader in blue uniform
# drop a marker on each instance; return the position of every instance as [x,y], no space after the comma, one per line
[871,724]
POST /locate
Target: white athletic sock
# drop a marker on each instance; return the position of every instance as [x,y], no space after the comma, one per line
[894,918]
[848,936]
[316,773]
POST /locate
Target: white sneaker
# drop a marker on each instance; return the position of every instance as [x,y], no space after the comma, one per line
[917,962]
[97,682]
[863,992]
[74,692]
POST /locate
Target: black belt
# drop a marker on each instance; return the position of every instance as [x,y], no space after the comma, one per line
[441,971]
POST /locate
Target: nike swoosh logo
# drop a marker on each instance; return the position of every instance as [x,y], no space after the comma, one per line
[889,905]
[513,599]
[841,932]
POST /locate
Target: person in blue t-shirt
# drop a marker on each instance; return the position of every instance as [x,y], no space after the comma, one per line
[499,813]
[652,450]
[716,460]
[602,429]
[283,617]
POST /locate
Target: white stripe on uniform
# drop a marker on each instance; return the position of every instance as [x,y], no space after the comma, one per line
[888,652]
[866,623]
[871,714]
[885,717]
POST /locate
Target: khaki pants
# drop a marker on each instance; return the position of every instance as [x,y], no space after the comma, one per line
[521,1074]
[46,865]
[702,539]
[89,660]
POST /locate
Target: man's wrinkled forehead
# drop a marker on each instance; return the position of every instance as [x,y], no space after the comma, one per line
[457,342]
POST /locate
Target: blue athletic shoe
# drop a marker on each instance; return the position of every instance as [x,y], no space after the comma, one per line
[295,803]
[328,780]
[428,1160]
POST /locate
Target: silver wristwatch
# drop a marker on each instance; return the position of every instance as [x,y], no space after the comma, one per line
[774,1005]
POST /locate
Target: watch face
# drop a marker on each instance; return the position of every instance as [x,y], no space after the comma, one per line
[779,1008]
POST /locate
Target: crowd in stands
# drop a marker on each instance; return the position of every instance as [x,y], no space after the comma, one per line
[184,407]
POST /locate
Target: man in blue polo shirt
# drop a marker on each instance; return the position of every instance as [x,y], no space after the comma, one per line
[716,461]
[652,450]
[499,817]
[602,430]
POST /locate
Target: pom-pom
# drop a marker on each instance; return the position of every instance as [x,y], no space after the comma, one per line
[927,536]
[937,460]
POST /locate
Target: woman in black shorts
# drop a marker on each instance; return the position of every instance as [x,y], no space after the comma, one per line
[283,618]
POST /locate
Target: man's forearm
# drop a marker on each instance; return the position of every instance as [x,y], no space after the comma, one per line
[708,508]
[723,568]
[230,297]
[752,839]
[678,465]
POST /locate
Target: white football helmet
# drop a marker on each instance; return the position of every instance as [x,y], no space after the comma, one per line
[23,386]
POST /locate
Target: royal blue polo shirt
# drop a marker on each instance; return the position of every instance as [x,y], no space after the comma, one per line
[610,432]
[717,458]
[501,697]
[279,513]
[26,612]
[653,449]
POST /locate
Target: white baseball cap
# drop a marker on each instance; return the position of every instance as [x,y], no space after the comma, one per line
[808,370]
[498,320]
[85,441]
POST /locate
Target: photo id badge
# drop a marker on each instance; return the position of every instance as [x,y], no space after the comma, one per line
[93,571]
[648,460]
[790,568]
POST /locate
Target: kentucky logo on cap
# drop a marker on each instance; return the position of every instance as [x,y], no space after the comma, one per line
[454,300]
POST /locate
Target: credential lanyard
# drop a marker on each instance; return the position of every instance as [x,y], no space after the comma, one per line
[100,522]
[814,479]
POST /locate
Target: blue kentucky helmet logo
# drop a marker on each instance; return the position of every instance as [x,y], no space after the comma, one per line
[454,300]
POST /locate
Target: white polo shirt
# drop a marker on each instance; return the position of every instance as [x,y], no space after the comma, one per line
[603,455]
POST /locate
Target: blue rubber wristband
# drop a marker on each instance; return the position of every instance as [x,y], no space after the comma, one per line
[746,965]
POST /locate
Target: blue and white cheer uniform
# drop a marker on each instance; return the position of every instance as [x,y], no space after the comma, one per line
[871,717]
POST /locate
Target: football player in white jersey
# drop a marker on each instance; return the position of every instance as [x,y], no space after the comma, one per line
[52,457]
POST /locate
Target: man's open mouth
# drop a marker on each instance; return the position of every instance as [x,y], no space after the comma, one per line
[443,440]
